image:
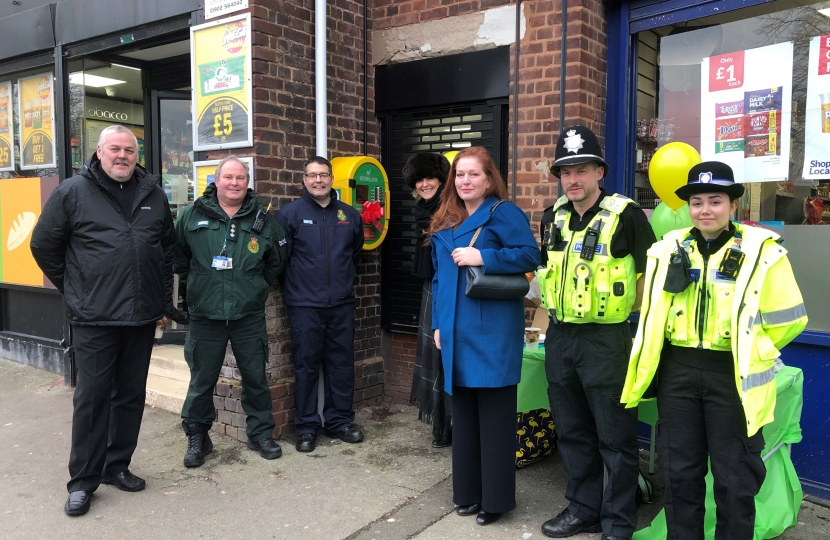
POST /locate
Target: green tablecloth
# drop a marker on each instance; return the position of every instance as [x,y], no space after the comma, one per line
[778,501]
[532,392]
[777,504]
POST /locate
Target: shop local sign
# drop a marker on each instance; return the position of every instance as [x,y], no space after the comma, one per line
[216,8]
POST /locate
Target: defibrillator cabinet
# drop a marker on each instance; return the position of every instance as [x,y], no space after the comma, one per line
[361,182]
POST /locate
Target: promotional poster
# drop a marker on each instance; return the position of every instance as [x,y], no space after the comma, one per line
[6,127]
[203,174]
[35,106]
[221,75]
[817,114]
[21,202]
[746,111]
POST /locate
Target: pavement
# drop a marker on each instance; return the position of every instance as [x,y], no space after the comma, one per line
[392,486]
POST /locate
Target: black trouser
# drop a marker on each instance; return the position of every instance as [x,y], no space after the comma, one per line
[323,337]
[204,351]
[108,404]
[484,447]
[586,366]
[701,416]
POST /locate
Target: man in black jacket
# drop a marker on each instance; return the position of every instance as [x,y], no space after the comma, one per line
[324,240]
[105,239]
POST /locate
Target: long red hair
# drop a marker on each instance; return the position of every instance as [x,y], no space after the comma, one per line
[452,211]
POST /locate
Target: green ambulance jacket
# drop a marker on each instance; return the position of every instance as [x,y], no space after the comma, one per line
[257,257]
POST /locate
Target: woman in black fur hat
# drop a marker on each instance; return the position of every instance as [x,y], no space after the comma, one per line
[425,174]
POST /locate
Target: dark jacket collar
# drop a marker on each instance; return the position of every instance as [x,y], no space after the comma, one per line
[706,247]
[310,198]
[208,204]
[145,182]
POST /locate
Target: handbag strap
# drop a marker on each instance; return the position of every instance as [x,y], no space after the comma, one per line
[478,231]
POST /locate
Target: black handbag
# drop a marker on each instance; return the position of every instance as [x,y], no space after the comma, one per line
[494,286]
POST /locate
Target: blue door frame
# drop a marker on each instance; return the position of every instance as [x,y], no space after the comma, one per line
[811,350]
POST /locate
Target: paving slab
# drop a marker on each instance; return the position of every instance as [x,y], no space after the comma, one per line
[392,486]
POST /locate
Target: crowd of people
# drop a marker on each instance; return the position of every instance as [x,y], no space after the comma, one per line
[717,302]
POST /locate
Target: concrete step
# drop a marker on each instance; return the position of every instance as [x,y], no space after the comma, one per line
[166,393]
[168,361]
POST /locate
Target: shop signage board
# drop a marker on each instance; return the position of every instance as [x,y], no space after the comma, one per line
[6,127]
[817,114]
[35,109]
[21,202]
[203,174]
[746,111]
[217,8]
[220,53]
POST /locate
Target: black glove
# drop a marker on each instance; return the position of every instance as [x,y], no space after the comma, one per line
[178,317]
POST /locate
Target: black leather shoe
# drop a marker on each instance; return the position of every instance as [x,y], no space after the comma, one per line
[267,448]
[125,481]
[306,442]
[349,434]
[566,524]
[609,537]
[78,503]
[198,446]
[468,510]
[486,518]
[445,439]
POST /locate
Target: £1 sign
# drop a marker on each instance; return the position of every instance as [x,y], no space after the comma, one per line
[726,71]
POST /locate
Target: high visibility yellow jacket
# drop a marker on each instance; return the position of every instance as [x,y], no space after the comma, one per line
[575,290]
[764,314]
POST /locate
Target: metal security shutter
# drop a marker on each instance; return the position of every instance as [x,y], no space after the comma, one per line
[435,129]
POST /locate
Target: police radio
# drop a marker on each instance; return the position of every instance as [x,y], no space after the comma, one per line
[589,245]
[259,220]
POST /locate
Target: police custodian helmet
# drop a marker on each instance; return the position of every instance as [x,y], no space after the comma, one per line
[710,177]
[576,145]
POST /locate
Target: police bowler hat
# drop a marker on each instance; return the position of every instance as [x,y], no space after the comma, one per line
[577,145]
[710,177]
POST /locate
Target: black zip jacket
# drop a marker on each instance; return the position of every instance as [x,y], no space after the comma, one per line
[112,269]
[323,246]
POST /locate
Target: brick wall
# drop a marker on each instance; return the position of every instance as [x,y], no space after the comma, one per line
[284,137]
[395,13]
[399,363]
[283,50]
[539,91]
[538,108]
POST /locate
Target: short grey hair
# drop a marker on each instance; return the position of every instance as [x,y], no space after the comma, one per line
[226,159]
[116,129]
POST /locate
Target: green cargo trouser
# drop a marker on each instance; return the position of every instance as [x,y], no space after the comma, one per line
[204,351]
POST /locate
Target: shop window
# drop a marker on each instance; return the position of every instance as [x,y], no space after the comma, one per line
[28,175]
[102,94]
[749,87]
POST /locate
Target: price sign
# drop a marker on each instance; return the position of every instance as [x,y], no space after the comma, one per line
[6,146]
[726,71]
[221,74]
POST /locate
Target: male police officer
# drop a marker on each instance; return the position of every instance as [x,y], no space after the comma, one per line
[593,247]
[105,239]
[228,252]
[325,238]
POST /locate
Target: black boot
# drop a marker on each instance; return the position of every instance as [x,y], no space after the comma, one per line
[445,439]
[198,445]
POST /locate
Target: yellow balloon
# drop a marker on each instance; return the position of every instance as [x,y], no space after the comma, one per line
[669,170]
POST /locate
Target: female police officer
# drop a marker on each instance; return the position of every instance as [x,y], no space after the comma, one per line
[720,302]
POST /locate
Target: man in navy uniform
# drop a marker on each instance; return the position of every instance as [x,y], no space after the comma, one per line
[324,240]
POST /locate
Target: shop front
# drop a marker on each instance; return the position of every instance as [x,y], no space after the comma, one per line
[744,82]
[60,86]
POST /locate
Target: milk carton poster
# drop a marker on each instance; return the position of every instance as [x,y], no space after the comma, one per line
[817,113]
[746,111]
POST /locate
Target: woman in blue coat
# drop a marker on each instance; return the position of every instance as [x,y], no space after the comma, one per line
[480,340]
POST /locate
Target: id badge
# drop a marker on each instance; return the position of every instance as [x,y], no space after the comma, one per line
[222,263]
